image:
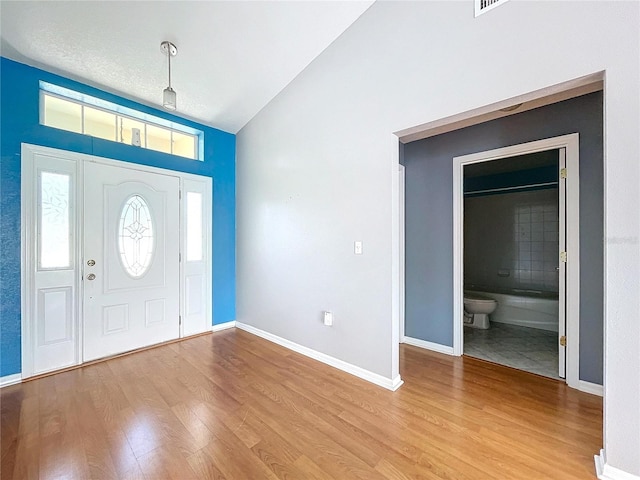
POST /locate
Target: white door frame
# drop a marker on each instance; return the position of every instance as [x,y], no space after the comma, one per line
[563,220]
[401,220]
[29,186]
[571,144]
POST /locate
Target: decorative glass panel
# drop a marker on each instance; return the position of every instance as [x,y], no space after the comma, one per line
[194,226]
[54,220]
[136,236]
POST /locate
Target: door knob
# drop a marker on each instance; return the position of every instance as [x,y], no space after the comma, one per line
[91,276]
[91,263]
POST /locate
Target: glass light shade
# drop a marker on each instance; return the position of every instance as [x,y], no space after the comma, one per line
[169,98]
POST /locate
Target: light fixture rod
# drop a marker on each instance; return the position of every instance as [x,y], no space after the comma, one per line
[169,95]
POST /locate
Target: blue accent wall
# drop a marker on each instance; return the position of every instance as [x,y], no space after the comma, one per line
[19,123]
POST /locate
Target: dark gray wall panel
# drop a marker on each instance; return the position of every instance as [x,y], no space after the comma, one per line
[429,217]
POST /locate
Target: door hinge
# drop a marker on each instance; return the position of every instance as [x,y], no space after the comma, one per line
[179,257]
[563,257]
[179,194]
[563,173]
[563,341]
[180,320]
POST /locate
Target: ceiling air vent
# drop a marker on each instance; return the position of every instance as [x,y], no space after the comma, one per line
[483,6]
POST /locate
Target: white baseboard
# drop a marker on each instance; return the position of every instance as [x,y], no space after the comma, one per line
[607,472]
[389,384]
[434,347]
[10,380]
[223,326]
[592,388]
[599,461]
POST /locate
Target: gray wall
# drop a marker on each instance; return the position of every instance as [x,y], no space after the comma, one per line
[429,218]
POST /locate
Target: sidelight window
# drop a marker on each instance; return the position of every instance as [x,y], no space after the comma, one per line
[54,224]
[194,226]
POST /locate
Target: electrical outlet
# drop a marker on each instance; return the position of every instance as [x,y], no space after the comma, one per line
[357,247]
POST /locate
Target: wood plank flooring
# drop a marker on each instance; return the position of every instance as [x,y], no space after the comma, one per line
[230,405]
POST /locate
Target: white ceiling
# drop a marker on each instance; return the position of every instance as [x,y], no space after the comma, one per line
[233,56]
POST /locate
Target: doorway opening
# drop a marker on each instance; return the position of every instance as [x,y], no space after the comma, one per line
[434,211]
[516,261]
[514,280]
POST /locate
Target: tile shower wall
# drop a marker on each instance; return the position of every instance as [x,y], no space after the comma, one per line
[511,240]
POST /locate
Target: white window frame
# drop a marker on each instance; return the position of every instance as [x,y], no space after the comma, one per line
[120,112]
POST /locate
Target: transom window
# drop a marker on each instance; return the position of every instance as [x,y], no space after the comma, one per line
[75,112]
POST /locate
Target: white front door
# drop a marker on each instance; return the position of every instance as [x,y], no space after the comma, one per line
[131,276]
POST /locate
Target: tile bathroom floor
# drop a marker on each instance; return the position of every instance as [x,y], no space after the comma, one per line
[528,349]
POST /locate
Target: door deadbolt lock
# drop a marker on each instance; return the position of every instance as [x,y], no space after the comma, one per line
[91,276]
[91,263]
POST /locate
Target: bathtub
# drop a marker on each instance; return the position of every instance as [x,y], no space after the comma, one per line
[525,308]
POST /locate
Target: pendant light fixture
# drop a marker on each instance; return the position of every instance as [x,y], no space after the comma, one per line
[169,94]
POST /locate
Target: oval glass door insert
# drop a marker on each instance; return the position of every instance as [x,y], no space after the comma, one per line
[136,236]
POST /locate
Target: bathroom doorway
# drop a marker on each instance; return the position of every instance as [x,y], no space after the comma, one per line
[512,231]
[511,262]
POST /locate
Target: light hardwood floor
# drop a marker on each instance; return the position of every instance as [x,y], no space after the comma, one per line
[232,405]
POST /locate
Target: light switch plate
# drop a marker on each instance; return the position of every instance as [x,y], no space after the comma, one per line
[328,318]
[357,247]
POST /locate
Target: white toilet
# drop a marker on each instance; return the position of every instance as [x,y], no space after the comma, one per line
[477,309]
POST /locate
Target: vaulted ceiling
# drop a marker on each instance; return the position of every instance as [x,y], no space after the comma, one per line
[233,56]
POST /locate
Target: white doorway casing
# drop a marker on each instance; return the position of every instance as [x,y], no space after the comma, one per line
[563,220]
[570,143]
[53,315]
[401,249]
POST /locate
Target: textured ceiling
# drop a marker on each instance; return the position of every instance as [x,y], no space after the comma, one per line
[233,56]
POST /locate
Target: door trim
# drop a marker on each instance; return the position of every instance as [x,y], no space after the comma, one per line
[401,221]
[562,266]
[571,144]
[28,216]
